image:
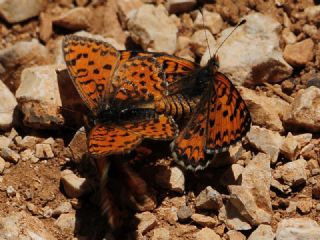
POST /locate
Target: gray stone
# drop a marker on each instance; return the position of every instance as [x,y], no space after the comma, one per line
[298,228]
[184,213]
[8,103]
[204,221]
[263,232]
[9,155]
[209,199]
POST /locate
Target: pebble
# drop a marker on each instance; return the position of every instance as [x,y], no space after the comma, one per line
[184,213]
[288,36]
[32,208]
[299,54]
[2,165]
[147,222]
[297,228]
[263,232]
[171,178]
[210,20]
[233,218]
[313,13]
[160,234]
[204,221]
[235,235]
[146,28]
[26,154]
[316,191]
[47,212]
[209,199]
[14,11]
[11,192]
[4,142]
[45,30]
[9,155]
[64,207]
[180,6]
[199,41]
[290,147]
[73,185]
[75,19]
[126,9]
[206,234]
[314,82]
[8,103]
[304,206]
[43,151]
[66,222]
[28,142]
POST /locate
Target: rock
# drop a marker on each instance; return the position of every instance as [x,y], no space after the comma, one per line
[209,199]
[73,185]
[160,234]
[169,214]
[28,142]
[39,97]
[316,191]
[66,222]
[8,103]
[263,232]
[313,13]
[231,175]
[290,147]
[9,155]
[147,221]
[304,206]
[146,29]
[4,142]
[311,31]
[46,212]
[78,145]
[232,218]
[314,82]
[19,56]
[14,11]
[43,151]
[249,63]
[265,111]
[22,226]
[2,165]
[126,9]
[297,228]
[266,141]
[184,213]
[204,221]
[210,20]
[198,42]
[252,198]
[229,157]
[206,234]
[171,178]
[235,235]
[64,207]
[299,54]
[292,207]
[293,173]
[304,111]
[45,30]
[288,36]
[280,187]
[179,6]
[75,19]
[11,192]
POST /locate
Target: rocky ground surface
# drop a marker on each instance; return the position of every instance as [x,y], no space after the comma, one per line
[266,188]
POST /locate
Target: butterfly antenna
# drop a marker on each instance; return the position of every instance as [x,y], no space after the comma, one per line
[205,32]
[238,25]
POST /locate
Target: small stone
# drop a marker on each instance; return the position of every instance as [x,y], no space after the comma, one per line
[73,185]
[11,192]
[2,165]
[263,232]
[171,178]
[9,155]
[209,199]
[316,191]
[292,207]
[281,187]
[127,8]
[28,142]
[160,234]
[211,20]
[66,222]
[293,173]
[206,234]
[14,11]
[290,147]
[204,221]
[47,212]
[32,208]
[146,29]
[8,103]
[314,82]
[75,19]
[266,141]
[287,86]
[64,207]
[184,213]
[43,151]
[45,30]
[232,218]
[304,206]
[26,154]
[297,228]
[313,13]
[179,6]
[304,111]
[231,175]
[235,235]
[299,54]
[199,41]
[4,142]
[147,222]
[288,36]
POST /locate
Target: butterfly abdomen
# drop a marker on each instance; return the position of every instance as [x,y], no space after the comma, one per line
[177,106]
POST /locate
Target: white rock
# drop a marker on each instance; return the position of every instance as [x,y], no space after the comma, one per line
[126,8]
[22,226]
[40,97]
[290,147]
[292,173]
[75,19]
[171,178]
[9,155]
[146,28]
[73,185]
[206,234]
[304,110]
[209,199]
[66,222]
[11,192]
[8,103]
[211,20]
[252,198]
[179,6]
[14,11]
[263,232]
[298,229]
[266,141]
[265,111]
[252,54]
[44,151]
[147,222]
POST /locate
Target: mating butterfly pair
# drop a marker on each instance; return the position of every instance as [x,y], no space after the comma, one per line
[133,95]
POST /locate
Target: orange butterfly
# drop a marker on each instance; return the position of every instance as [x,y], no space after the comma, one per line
[220,119]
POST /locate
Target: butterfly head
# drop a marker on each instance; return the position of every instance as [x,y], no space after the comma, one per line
[213,63]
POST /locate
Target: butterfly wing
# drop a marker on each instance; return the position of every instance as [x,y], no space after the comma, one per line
[91,64]
[229,118]
[158,128]
[104,140]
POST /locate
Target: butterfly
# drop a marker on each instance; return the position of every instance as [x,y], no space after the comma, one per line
[220,119]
